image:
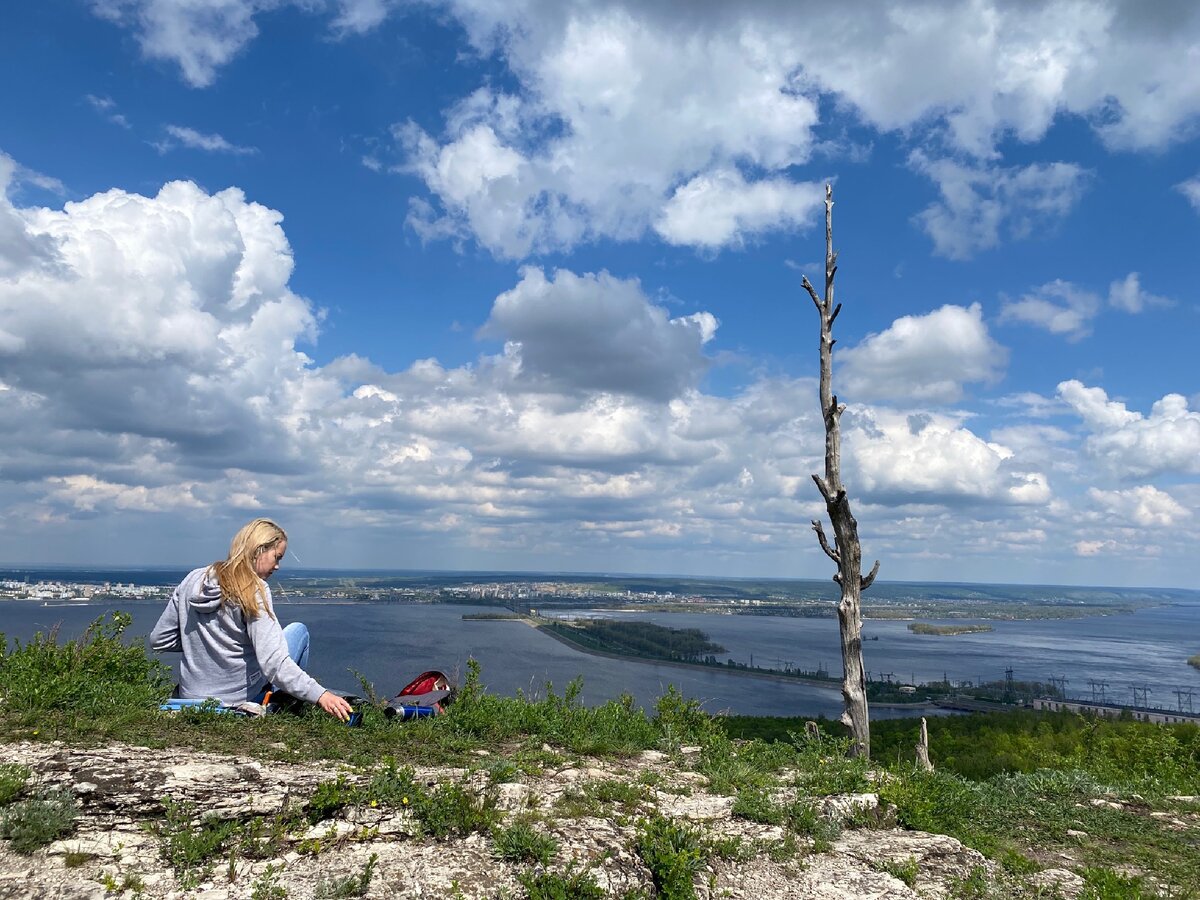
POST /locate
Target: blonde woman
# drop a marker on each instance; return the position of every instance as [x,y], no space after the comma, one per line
[222,621]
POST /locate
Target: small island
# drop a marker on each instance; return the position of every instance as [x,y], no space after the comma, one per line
[1194,660]
[926,628]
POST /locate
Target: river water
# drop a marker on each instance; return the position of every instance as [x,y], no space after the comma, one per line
[389,643]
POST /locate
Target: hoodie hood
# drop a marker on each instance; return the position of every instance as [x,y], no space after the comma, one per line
[205,593]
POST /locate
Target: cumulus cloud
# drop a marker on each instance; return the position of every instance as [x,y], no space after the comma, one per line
[931,458]
[982,204]
[1131,444]
[1058,307]
[1146,506]
[598,333]
[719,208]
[924,359]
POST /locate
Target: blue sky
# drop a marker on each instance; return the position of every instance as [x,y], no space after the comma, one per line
[516,285]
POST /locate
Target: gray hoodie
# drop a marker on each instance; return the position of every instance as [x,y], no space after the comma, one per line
[224,655]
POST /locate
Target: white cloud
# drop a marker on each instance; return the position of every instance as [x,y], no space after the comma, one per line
[982,204]
[1129,296]
[195,140]
[1191,190]
[598,333]
[1133,445]
[923,359]
[1058,307]
[1145,506]
[200,36]
[931,458]
[717,209]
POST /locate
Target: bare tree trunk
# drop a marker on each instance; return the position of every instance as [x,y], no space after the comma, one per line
[923,748]
[846,552]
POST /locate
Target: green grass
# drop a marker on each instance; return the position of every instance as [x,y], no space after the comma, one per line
[520,842]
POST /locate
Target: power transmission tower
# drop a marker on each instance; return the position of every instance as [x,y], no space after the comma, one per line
[1184,694]
[1141,692]
[1060,683]
[1098,687]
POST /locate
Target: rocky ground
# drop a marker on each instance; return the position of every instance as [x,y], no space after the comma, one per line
[124,791]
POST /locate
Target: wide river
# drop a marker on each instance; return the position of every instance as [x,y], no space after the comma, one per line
[390,643]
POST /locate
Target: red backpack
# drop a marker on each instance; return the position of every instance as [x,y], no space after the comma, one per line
[426,695]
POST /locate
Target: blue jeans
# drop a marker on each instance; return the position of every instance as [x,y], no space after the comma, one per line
[296,636]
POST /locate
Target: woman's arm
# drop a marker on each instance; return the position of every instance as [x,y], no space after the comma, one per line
[270,649]
[165,636]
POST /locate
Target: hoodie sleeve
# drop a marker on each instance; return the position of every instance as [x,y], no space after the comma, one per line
[270,649]
[165,636]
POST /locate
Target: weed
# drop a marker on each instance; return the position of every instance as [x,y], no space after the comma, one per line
[73,859]
[784,850]
[12,781]
[973,886]
[804,818]
[1104,884]
[674,854]
[906,870]
[189,846]
[756,806]
[267,886]
[825,766]
[330,798]
[453,809]
[571,884]
[37,821]
[519,842]
[261,838]
[129,882]
[348,885]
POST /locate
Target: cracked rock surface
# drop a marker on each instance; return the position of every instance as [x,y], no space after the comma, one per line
[123,791]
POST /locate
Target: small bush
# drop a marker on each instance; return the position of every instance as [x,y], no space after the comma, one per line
[38,821]
[267,886]
[673,853]
[519,842]
[573,884]
[188,845]
[96,674]
[454,809]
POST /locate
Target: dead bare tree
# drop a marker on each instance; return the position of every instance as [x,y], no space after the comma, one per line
[846,550]
[923,748]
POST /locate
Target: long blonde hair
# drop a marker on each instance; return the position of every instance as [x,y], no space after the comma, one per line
[240,584]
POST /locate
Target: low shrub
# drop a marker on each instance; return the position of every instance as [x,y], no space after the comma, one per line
[674,854]
[37,821]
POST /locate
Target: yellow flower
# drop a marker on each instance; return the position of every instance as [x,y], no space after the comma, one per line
[404,800]
[374,803]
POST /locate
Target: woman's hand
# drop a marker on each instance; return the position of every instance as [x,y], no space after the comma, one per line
[334,705]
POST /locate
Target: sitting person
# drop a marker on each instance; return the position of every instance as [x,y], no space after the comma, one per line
[222,621]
